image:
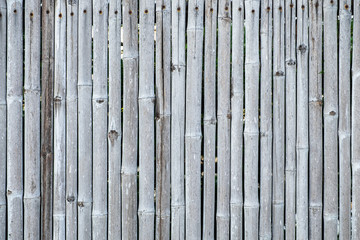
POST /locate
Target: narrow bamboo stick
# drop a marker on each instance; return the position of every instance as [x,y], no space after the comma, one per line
[114,135]
[251,132]
[209,118]
[266,120]
[14,191]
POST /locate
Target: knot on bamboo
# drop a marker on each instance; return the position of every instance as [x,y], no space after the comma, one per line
[70,199]
[279,73]
[71,2]
[57,99]
[302,48]
[113,135]
[291,62]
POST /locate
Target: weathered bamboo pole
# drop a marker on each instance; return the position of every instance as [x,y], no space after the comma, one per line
[178,119]
[130,127]
[209,119]
[14,174]
[237,115]
[266,120]
[315,120]
[71,120]
[345,119]
[32,120]
[330,120]
[193,133]
[163,113]
[84,119]
[302,121]
[290,114]
[251,132]
[114,135]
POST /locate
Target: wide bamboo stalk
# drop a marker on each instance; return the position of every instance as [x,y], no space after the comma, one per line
[130,122]
[330,120]
[345,119]
[71,120]
[266,121]
[163,111]
[32,120]
[114,127]
[193,133]
[315,120]
[84,119]
[251,132]
[290,114]
[14,174]
[302,121]
[237,115]
[209,118]
[178,119]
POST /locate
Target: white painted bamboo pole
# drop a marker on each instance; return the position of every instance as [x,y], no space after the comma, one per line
[266,120]
[315,120]
[209,119]
[193,133]
[178,119]
[345,119]
[114,135]
[84,119]
[130,122]
[15,225]
[71,120]
[302,122]
[290,114]
[330,120]
[32,120]
[163,111]
[237,115]
[100,107]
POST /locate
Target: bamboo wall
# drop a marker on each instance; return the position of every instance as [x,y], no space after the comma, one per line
[176,119]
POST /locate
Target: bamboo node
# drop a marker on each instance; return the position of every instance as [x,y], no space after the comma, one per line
[70,198]
[302,48]
[57,99]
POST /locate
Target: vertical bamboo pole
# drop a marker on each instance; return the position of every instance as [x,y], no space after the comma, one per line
[290,114]
[315,120]
[330,120]
[302,121]
[266,120]
[14,126]
[32,121]
[178,119]
[251,132]
[237,114]
[114,135]
[84,119]
[130,127]
[345,118]
[209,118]
[71,120]
[163,111]
[193,119]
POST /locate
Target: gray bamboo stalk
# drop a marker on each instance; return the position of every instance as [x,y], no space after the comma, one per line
[71,120]
[84,119]
[114,135]
[330,120]
[163,111]
[237,114]
[266,120]
[99,105]
[146,209]
[32,120]
[193,133]
[15,225]
[209,119]
[224,122]
[178,120]
[3,24]
[345,119]
[302,122]
[290,114]
[130,127]
[251,132]
[315,120]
